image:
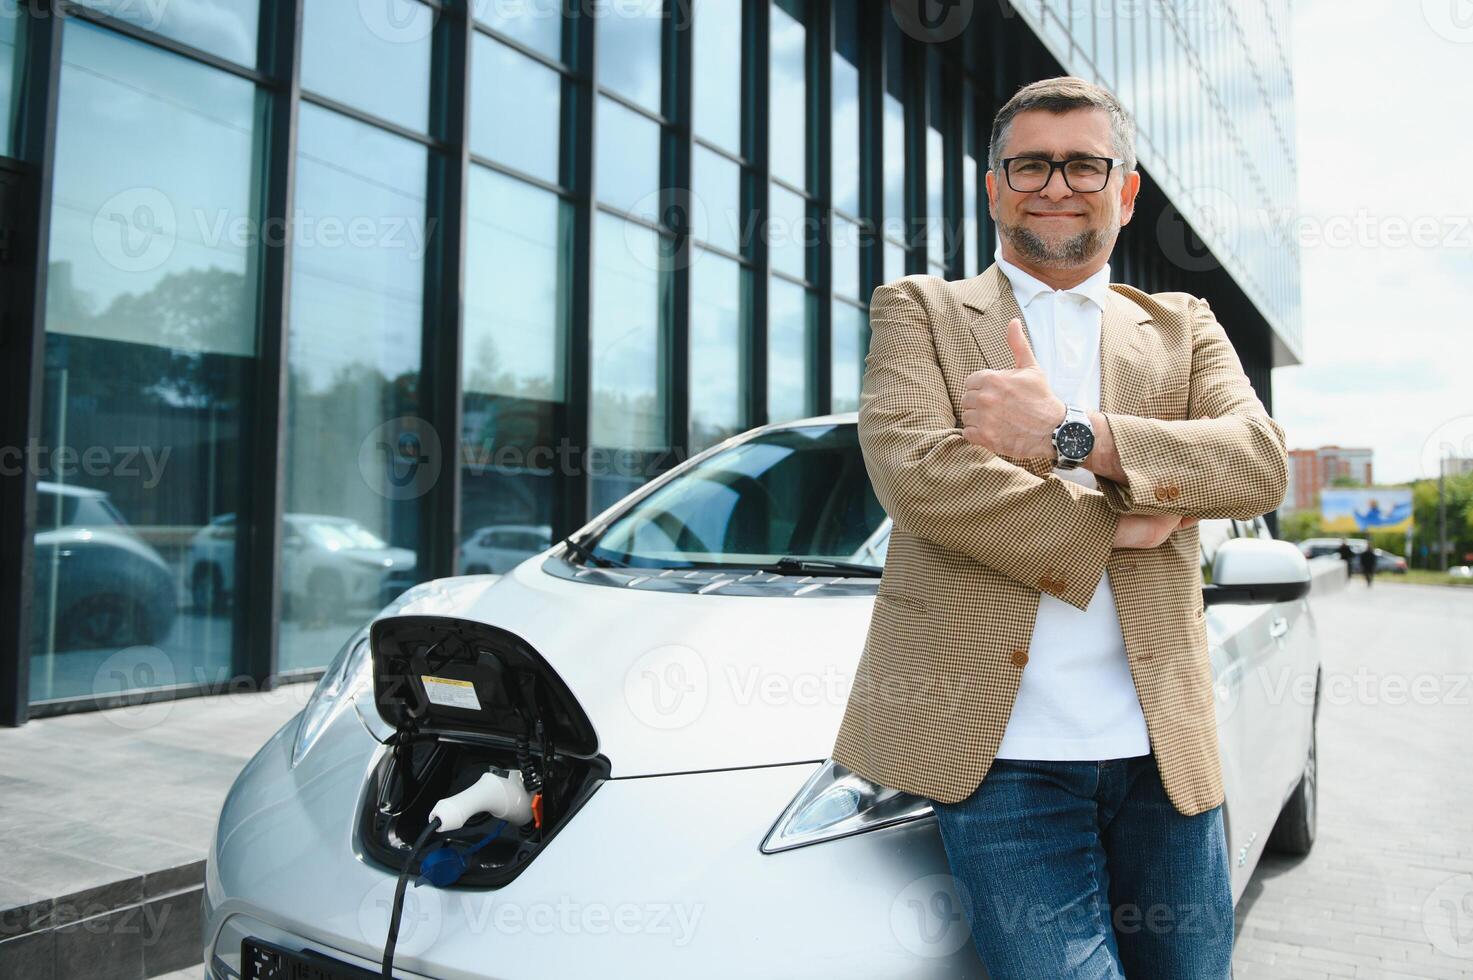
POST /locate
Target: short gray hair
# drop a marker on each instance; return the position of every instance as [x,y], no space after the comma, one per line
[1064,93]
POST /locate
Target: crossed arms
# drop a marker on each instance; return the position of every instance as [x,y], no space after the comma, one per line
[1227,459]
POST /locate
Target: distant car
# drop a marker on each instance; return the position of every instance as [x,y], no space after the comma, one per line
[332,565]
[102,584]
[1314,547]
[1387,562]
[1461,571]
[498,548]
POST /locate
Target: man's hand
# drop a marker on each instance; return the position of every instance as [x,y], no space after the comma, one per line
[1012,412]
[1147,530]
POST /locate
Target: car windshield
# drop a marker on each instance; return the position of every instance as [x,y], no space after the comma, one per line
[799,492]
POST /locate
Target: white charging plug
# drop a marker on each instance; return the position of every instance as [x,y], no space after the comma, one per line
[504,797]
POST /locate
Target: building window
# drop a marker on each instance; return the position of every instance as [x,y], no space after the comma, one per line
[350,533]
[516,109]
[371,56]
[223,27]
[718,348]
[514,395]
[150,344]
[628,407]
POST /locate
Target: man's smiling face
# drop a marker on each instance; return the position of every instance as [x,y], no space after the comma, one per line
[1058,228]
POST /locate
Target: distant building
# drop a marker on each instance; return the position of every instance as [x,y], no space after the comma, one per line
[1457,465]
[1310,470]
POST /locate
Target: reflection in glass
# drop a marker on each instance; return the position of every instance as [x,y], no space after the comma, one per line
[716,349]
[223,27]
[845,115]
[846,257]
[894,261]
[801,491]
[536,23]
[936,217]
[788,232]
[351,406]
[628,409]
[788,93]
[371,56]
[893,133]
[717,209]
[9,89]
[850,329]
[515,390]
[515,109]
[717,80]
[627,160]
[627,36]
[150,341]
[789,351]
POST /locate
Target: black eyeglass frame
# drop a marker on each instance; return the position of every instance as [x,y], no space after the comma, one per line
[1059,166]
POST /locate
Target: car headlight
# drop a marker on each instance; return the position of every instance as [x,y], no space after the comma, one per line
[347,675]
[837,802]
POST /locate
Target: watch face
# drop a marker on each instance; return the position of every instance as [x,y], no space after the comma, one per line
[1075,440]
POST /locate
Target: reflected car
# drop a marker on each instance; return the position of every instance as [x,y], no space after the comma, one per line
[497,548]
[103,586]
[1387,562]
[670,680]
[331,566]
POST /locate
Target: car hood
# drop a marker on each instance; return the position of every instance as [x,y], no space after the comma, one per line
[676,682]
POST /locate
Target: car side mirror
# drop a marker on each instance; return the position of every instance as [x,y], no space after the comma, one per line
[1253,570]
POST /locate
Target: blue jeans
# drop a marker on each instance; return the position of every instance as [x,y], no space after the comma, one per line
[1085,870]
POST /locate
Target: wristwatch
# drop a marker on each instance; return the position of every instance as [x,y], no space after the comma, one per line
[1074,438]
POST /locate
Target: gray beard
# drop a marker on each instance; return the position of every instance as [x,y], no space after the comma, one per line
[1072,251]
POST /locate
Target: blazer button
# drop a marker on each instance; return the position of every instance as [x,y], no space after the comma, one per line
[1172,492]
[1160,493]
[1020,658]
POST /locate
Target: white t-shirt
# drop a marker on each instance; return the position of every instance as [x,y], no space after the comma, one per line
[1076,698]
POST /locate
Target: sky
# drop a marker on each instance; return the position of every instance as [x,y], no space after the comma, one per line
[1384,113]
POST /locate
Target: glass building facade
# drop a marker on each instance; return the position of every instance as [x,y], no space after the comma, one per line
[311,301]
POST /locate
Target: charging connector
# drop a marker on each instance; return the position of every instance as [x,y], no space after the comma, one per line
[501,795]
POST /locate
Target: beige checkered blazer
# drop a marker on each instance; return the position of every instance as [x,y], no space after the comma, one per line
[977,536]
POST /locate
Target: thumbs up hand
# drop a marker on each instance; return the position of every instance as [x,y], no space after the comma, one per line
[1012,412]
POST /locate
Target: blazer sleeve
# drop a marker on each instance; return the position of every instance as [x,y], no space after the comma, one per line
[1046,533]
[1228,458]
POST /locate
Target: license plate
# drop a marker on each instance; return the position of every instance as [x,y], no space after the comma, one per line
[260,960]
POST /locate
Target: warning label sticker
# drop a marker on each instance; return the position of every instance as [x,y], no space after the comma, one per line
[451,693]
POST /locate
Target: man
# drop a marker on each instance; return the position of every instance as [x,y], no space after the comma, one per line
[1367,559]
[1347,553]
[1029,430]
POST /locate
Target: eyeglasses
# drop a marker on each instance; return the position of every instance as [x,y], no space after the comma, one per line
[1081,174]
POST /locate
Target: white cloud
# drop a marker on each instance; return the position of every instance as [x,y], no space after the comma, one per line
[1382,98]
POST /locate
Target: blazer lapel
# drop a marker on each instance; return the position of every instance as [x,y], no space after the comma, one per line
[1124,360]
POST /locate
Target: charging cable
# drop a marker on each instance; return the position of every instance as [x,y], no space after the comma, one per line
[393,938]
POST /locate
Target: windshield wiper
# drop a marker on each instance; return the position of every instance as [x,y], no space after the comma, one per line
[789,563]
[589,557]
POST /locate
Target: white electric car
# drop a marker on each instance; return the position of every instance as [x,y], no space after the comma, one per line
[666,685]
